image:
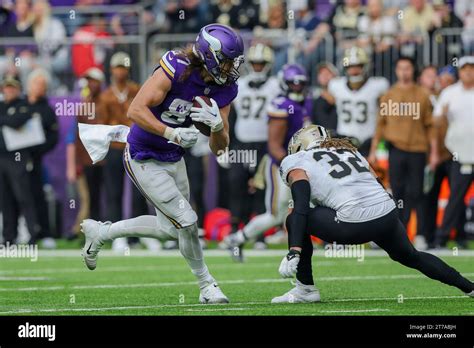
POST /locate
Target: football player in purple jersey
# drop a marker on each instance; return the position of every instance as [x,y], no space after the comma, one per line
[163,116]
[286,115]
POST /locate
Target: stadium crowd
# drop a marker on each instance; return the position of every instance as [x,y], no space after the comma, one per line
[53,53]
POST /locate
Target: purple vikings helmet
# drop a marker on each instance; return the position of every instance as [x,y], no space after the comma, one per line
[293,81]
[221,50]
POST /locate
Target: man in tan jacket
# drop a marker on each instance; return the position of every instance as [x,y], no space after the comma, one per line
[405,123]
[117,98]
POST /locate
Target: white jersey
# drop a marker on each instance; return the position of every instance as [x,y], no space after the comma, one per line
[251,106]
[357,109]
[341,180]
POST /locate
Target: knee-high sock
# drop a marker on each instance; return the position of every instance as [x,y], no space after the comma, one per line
[260,224]
[191,250]
[141,226]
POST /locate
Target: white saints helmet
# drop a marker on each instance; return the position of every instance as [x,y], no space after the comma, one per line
[307,138]
[356,56]
[260,54]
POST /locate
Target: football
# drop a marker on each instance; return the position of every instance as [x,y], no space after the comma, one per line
[204,129]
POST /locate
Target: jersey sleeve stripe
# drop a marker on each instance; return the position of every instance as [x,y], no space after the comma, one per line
[166,69]
[168,64]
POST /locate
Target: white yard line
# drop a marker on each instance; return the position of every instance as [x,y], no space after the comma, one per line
[357,310]
[231,267]
[103,309]
[2,278]
[230,281]
[216,253]
[218,309]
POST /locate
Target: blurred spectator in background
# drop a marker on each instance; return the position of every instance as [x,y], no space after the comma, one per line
[186,16]
[393,7]
[6,18]
[429,207]
[429,81]
[154,16]
[23,25]
[15,166]
[410,136]
[50,35]
[418,19]
[446,77]
[378,34]
[19,58]
[324,110]
[87,53]
[276,16]
[238,14]
[38,106]
[465,11]
[124,23]
[306,17]
[451,45]
[456,105]
[342,23]
[444,17]
[93,174]
[377,31]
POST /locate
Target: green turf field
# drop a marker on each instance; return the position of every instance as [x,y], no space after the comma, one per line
[130,285]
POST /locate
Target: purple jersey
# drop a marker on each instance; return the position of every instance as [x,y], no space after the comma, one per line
[293,112]
[175,108]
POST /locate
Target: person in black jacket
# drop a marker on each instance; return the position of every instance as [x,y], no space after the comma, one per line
[324,111]
[15,167]
[38,105]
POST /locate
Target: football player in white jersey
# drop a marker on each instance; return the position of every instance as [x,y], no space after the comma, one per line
[256,91]
[357,98]
[351,207]
[287,113]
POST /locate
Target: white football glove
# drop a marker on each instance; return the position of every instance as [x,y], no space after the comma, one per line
[289,264]
[184,137]
[209,115]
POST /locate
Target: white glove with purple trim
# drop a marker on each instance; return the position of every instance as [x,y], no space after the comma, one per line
[209,115]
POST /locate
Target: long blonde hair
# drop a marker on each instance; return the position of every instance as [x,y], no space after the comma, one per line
[338,143]
[194,64]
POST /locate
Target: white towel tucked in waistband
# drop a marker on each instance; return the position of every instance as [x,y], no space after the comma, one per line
[97,137]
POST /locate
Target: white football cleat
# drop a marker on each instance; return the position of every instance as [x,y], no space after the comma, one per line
[120,245]
[151,244]
[299,294]
[235,239]
[92,245]
[235,242]
[471,293]
[212,294]
[260,246]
